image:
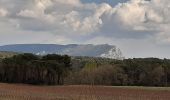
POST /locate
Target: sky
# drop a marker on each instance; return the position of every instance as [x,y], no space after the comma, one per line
[140,28]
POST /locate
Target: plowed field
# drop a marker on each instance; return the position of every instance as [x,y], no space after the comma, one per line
[29,92]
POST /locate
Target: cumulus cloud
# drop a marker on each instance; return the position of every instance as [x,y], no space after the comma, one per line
[131,19]
[49,15]
[137,19]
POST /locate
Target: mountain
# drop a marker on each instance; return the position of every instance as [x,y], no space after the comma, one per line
[103,50]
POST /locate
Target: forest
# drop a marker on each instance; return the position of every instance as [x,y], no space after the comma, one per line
[56,69]
[31,69]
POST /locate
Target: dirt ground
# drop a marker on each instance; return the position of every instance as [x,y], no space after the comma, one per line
[29,92]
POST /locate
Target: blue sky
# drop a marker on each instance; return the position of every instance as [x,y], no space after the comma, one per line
[111,2]
[140,28]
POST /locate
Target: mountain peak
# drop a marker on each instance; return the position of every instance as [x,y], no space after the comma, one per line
[91,50]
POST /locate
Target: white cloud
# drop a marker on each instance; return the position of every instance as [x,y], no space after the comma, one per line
[131,19]
[70,15]
[138,18]
[3,12]
[27,13]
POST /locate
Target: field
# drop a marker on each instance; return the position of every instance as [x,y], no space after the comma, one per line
[28,92]
[4,54]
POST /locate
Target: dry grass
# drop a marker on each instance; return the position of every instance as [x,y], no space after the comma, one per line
[27,92]
[4,54]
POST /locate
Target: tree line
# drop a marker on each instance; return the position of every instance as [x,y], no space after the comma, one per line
[127,72]
[55,69]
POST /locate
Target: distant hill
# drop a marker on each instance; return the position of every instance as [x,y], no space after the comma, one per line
[90,50]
